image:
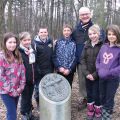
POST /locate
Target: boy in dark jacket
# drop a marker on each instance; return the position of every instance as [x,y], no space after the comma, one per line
[44,51]
[28,57]
[88,60]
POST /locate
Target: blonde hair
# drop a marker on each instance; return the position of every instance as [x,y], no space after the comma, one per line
[95,28]
[23,35]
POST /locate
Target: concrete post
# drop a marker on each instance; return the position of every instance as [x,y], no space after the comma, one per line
[55,98]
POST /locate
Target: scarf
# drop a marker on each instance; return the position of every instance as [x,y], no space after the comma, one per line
[86,25]
[30,52]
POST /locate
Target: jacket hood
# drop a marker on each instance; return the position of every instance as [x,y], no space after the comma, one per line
[37,39]
[108,45]
[88,43]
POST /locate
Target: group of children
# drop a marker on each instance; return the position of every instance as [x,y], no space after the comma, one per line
[23,65]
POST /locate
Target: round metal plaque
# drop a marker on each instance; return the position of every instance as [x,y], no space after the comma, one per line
[55,87]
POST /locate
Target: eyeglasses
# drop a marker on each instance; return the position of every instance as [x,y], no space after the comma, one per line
[85,14]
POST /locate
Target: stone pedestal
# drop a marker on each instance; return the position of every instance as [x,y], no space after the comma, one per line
[55,98]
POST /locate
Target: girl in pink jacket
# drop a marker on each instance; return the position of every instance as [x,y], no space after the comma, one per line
[12,74]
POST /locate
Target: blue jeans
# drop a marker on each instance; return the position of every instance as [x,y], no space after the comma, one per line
[11,106]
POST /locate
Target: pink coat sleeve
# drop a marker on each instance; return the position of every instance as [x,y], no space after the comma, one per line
[22,79]
[4,82]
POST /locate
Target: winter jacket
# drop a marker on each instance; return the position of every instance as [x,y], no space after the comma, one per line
[64,54]
[88,58]
[108,62]
[12,77]
[80,35]
[44,52]
[29,67]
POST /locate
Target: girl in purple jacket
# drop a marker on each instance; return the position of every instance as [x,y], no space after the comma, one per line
[12,75]
[108,67]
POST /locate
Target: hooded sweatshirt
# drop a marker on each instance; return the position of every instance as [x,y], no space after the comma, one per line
[108,62]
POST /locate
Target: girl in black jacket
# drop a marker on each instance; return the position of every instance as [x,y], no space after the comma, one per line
[28,57]
[88,60]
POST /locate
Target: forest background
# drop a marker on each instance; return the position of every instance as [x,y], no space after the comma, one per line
[29,15]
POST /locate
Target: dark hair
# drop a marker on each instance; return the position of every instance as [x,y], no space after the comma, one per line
[116,30]
[16,52]
[43,27]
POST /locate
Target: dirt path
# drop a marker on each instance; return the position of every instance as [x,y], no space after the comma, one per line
[76,115]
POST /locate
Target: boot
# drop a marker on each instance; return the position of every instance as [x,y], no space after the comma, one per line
[98,113]
[106,114]
[25,117]
[90,111]
[82,104]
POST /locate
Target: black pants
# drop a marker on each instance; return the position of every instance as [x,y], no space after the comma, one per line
[92,88]
[68,77]
[26,99]
[108,88]
[37,81]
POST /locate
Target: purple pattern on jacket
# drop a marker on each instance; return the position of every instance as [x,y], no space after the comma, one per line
[108,62]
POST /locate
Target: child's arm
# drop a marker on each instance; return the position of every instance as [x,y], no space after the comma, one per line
[98,61]
[83,63]
[22,79]
[90,77]
[95,75]
[4,82]
[74,61]
[116,71]
[55,55]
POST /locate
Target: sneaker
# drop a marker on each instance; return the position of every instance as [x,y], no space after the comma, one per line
[106,114]
[25,117]
[82,104]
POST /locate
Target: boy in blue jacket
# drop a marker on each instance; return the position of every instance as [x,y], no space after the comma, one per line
[64,55]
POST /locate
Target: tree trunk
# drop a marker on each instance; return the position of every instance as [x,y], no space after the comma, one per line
[2,20]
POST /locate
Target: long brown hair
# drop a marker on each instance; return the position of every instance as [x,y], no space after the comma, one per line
[116,30]
[16,52]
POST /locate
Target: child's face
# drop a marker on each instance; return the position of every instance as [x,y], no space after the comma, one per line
[67,32]
[11,44]
[111,37]
[93,35]
[43,33]
[26,42]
